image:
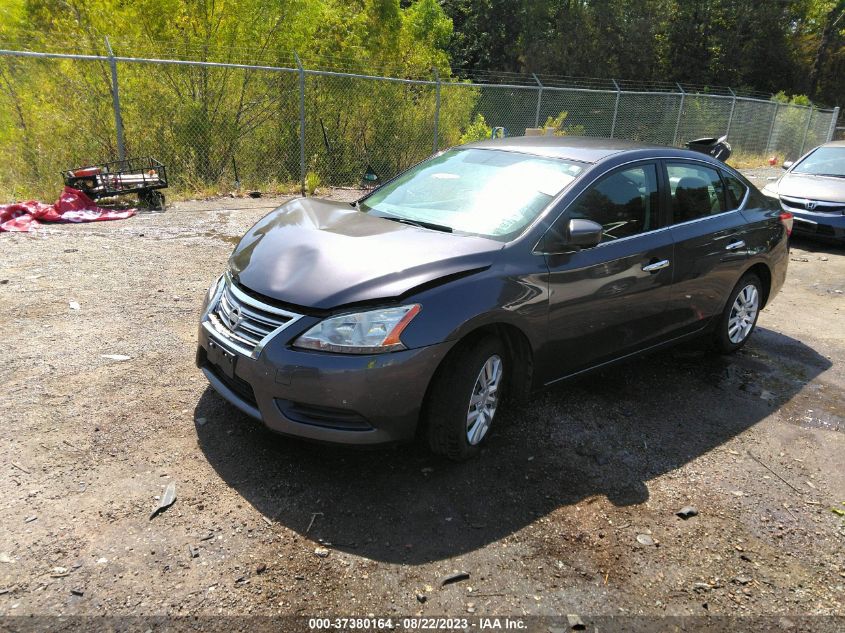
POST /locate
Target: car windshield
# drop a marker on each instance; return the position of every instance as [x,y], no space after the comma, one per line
[485,192]
[825,161]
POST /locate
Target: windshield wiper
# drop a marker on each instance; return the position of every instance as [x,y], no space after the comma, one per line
[420,223]
[831,175]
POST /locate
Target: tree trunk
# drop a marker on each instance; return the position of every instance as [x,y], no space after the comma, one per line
[830,24]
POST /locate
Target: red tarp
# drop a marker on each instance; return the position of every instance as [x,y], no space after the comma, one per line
[73,206]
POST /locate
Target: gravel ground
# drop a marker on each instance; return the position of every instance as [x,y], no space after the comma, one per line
[570,509]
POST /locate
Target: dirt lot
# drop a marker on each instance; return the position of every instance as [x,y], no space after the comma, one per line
[571,508]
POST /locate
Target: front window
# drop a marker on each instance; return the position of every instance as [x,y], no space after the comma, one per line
[825,161]
[492,193]
[624,203]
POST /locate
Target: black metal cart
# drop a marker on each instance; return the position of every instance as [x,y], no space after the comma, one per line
[143,176]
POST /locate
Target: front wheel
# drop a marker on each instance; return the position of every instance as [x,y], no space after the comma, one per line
[464,398]
[740,315]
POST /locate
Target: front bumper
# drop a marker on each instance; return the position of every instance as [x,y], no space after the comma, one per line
[826,225]
[338,398]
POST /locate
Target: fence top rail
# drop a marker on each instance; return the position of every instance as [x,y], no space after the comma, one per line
[140,60]
[52,55]
[622,86]
[419,82]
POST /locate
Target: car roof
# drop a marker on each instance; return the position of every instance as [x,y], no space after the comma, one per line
[834,144]
[586,149]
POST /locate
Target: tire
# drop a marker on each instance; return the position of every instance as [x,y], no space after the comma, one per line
[153,200]
[739,318]
[459,380]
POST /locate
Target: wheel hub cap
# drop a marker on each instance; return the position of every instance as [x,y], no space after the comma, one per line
[484,399]
[743,314]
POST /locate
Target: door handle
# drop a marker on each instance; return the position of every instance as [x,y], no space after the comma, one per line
[655,266]
[735,245]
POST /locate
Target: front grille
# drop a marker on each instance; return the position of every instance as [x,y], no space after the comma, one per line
[818,206]
[243,321]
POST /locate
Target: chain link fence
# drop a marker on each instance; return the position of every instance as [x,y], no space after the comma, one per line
[220,126]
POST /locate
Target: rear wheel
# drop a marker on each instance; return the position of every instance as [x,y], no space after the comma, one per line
[740,315]
[464,398]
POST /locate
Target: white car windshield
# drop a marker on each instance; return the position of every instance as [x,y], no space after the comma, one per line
[486,192]
[825,161]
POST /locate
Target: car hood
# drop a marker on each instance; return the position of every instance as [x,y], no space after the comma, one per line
[811,187]
[322,254]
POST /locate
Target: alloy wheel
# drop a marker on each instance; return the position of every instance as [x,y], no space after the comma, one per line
[484,400]
[743,314]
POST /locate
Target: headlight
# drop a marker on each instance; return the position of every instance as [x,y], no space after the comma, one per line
[213,289]
[370,332]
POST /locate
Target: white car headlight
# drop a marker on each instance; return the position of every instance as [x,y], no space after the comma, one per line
[370,332]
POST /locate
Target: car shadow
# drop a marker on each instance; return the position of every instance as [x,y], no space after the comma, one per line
[608,433]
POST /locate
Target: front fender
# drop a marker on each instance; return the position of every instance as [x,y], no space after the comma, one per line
[453,310]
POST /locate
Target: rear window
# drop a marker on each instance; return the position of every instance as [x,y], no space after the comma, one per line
[696,190]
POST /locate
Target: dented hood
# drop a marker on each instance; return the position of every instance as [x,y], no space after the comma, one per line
[322,254]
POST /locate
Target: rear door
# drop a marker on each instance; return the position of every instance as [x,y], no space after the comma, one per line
[609,300]
[711,242]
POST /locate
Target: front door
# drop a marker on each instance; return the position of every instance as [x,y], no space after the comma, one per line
[608,301]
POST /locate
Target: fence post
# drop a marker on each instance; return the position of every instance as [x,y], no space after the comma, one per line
[115,96]
[615,108]
[680,111]
[731,115]
[539,100]
[833,119]
[301,124]
[436,112]
[806,129]
[772,128]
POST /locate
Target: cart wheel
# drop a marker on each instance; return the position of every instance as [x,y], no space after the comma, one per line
[153,200]
[158,196]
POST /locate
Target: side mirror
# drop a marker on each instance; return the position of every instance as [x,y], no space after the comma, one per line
[579,233]
[787,164]
[583,233]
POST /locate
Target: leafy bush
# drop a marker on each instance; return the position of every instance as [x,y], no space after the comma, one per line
[312,181]
[478,130]
[560,129]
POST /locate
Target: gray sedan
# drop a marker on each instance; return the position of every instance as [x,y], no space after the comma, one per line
[813,191]
[486,272]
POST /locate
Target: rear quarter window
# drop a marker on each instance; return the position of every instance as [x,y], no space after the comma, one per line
[735,191]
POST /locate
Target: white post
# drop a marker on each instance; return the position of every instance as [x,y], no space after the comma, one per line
[772,127]
[301,124]
[731,116]
[539,100]
[436,111]
[833,119]
[115,95]
[806,129]
[680,111]
[615,108]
